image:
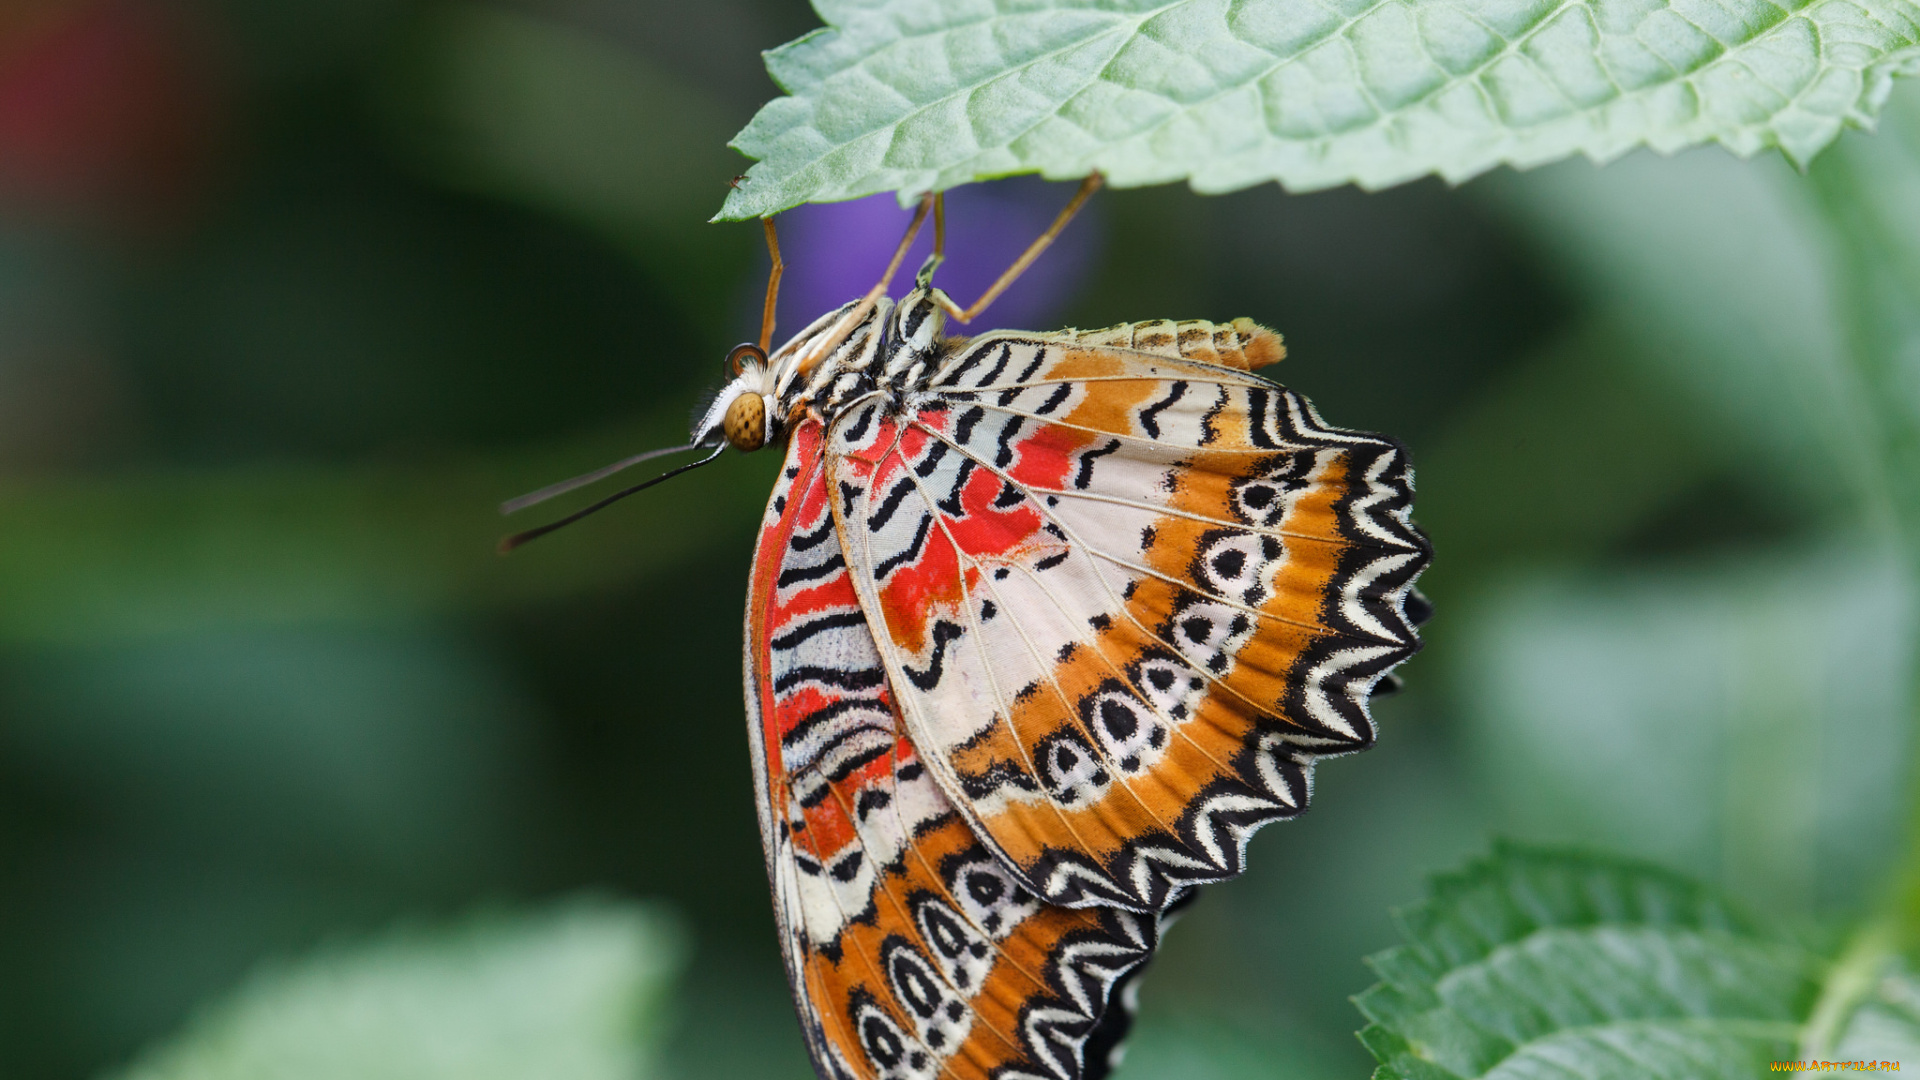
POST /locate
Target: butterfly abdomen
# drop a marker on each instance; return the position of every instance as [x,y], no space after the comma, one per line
[1241,344]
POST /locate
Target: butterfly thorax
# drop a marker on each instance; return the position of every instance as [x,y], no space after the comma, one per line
[891,352]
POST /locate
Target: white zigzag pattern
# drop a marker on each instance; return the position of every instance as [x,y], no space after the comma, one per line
[1320,706]
[1154,864]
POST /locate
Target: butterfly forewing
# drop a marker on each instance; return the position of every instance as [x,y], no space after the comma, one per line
[1124,597]
[913,949]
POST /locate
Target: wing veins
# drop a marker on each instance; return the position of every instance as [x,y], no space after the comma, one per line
[900,906]
[1139,695]
[1169,511]
[1210,676]
[873,965]
[1242,379]
[1116,601]
[1250,451]
[966,604]
[1092,550]
[846,919]
[960,909]
[1065,702]
[939,881]
[1061,694]
[933,509]
[966,596]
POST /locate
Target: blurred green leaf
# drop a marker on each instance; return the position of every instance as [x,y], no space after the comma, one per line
[914,96]
[546,114]
[1192,1045]
[1547,964]
[1711,270]
[1561,458]
[578,991]
[1866,192]
[1745,716]
[1884,1022]
[1867,196]
[84,558]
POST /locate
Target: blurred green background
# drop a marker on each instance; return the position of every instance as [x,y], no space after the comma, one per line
[293,292]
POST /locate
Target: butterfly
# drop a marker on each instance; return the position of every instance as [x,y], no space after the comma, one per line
[1041,628]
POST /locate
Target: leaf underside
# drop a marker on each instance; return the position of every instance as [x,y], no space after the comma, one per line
[1539,964]
[914,96]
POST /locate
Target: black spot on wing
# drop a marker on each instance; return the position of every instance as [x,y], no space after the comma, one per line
[889,504]
[803,730]
[845,679]
[809,541]
[848,868]
[1056,399]
[793,575]
[1258,400]
[1084,475]
[944,633]
[1039,355]
[936,452]
[898,559]
[1001,359]
[837,620]
[963,428]
[858,429]
[871,799]
[1006,396]
[855,762]
[1004,455]
[951,504]
[1209,433]
[1150,416]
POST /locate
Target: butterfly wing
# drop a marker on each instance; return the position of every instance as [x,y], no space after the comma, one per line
[1126,592]
[912,951]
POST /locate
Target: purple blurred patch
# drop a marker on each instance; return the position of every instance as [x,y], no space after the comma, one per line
[836,251]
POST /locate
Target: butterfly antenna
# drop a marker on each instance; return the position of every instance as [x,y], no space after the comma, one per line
[509,543]
[534,498]
[1087,187]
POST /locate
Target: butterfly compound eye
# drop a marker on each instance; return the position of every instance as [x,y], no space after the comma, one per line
[745,424]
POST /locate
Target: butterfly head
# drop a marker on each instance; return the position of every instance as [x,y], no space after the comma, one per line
[741,413]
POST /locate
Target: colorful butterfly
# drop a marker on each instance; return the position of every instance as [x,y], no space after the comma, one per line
[1041,628]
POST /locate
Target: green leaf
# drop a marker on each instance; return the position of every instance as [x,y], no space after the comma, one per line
[1553,964]
[1885,1021]
[574,992]
[920,95]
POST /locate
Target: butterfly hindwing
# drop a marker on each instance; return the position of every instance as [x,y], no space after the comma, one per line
[1125,596]
[913,950]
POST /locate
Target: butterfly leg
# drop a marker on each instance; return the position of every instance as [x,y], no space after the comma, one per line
[773,286]
[859,311]
[1087,187]
[923,279]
